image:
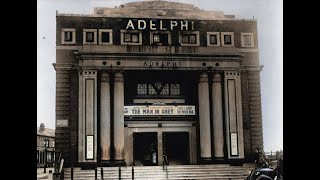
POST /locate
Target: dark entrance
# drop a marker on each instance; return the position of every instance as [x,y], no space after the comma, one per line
[176,147]
[145,148]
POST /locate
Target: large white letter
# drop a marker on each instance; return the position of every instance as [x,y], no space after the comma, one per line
[184,25]
[144,24]
[162,28]
[152,26]
[173,23]
[130,24]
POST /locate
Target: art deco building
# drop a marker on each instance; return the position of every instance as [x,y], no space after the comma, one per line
[154,78]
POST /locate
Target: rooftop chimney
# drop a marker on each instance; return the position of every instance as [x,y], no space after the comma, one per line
[42,127]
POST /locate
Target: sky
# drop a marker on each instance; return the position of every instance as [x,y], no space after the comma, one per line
[269,15]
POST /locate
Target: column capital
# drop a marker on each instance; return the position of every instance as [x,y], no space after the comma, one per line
[104,76]
[118,77]
[216,77]
[203,77]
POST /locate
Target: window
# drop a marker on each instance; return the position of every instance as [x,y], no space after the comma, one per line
[165,90]
[158,88]
[227,39]
[142,89]
[213,39]
[89,36]
[189,38]
[247,40]
[151,91]
[161,38]
[131,37]
[156,38]
[175,89]
[68,36]
[105,36]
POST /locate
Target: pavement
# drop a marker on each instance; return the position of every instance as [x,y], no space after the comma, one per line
[44,176]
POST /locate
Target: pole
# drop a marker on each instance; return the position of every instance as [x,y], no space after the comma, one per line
[45,160]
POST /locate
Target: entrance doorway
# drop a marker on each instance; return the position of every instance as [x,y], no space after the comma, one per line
[145,148]
[176,147]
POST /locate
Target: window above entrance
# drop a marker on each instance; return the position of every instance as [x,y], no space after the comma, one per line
[158,89]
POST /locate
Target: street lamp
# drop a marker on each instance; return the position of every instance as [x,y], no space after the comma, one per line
[46,144]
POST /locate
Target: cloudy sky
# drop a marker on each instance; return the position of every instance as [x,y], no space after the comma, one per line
[270,31]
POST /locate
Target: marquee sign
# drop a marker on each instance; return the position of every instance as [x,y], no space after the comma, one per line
[159,110]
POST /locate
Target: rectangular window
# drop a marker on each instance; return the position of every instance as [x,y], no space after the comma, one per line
[131,37]
[142,89]
[160,38]
[192,39]
[165,90]
[105,37]
[127,37]
[185,39]
[227,39]
[89,36]
[151,90]
[189,38]
[135,38]
[213,39]
[247,39]
[175,89]
[156,38]
[68,36]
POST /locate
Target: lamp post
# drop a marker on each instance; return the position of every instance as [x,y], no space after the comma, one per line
[46,143]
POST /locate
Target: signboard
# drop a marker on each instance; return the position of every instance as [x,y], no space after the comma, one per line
[162,25]
[62,123]
[159,110]
[234,144]
[89,148]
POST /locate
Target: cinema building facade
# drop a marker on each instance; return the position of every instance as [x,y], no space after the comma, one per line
[147,79]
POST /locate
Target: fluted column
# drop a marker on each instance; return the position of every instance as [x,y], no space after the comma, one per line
[105,116]
[218,140]
[118,117]
[204,117]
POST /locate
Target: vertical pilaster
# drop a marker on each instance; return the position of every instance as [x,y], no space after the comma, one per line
[105,140]
[217,113]
[87,116]
[204,117]
[118,117]
[233,114]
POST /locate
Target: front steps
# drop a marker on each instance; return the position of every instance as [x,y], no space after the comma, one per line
[213,171]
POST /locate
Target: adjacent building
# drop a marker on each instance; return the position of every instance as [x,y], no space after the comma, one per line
[45,146]
[154,78]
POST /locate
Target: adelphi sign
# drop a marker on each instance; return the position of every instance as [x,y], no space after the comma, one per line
[162,25]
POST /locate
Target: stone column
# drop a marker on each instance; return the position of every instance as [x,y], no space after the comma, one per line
[118,118]
[204,117]
[217,116]
[105,117]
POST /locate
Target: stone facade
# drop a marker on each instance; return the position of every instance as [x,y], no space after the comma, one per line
[157,56]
